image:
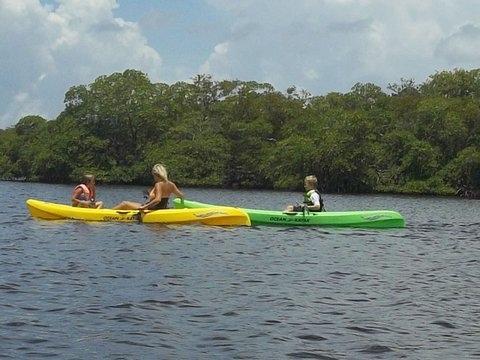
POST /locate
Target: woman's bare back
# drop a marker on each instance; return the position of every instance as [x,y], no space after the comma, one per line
[165,188]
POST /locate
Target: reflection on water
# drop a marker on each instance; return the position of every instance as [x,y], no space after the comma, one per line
[107,290]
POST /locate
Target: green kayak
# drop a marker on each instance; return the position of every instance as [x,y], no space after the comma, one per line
[358,219]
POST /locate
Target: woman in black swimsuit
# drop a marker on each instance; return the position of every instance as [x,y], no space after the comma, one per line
[158,196]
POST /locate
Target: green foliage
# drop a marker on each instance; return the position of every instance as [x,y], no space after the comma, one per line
[200,162]
[120,108]
[9,144]
[432,186]
[289,161]
[464,170]
[450,84]
[6,167]
[421,138]
[420,160]
[29,125]
[440,123]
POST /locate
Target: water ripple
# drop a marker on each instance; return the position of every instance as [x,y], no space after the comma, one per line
[309,355]
[376,349]
[107,290]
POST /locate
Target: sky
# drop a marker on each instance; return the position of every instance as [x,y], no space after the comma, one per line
[47,46]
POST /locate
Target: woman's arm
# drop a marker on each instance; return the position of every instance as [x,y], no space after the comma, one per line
[75,198]
[157,191]
[177,192]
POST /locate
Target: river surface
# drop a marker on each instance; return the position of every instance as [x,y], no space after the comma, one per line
[76,290]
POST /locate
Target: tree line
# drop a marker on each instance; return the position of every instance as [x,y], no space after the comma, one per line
[417,138]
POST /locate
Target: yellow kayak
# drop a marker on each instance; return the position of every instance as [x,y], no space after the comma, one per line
[221,216]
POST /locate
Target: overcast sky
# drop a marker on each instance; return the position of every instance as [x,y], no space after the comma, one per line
[318,45]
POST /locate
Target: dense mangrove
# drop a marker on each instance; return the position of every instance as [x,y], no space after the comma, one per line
[414,138]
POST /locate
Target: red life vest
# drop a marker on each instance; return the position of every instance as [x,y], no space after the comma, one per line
[86,193]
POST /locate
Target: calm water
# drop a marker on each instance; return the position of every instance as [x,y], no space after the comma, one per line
[76,290]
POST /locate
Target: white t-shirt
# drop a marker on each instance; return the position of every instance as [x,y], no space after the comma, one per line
[315,198]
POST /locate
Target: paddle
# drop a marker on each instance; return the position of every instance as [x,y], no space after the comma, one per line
[140,215]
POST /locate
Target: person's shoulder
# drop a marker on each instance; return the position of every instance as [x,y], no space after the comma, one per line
[164,184]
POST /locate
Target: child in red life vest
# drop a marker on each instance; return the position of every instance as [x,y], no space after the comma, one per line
[312,200]
[84,194]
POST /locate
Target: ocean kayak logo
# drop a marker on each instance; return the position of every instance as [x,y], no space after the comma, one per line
[120,218]
[123,215]
[284,219]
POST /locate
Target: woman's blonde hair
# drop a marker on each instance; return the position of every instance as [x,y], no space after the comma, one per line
[312,180]
[160,171]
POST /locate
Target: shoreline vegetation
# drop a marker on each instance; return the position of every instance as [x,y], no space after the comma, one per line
[417,139]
